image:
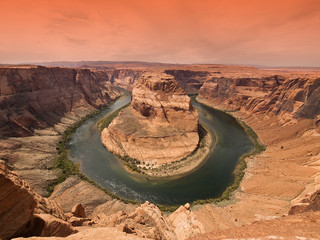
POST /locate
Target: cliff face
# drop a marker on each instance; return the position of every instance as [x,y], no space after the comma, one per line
[289,98]
[124,78]
[22,210]
[38,97]
[299,98]
[160,125]
[191,81]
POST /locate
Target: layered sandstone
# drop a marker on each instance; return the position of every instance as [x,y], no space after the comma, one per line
[191,81]
[160,126]
[287,97]
[25,213]
[38,97]
[124,78]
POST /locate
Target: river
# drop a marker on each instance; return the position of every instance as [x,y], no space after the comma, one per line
[209,181]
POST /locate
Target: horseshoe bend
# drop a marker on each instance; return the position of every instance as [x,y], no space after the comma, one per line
[159,127]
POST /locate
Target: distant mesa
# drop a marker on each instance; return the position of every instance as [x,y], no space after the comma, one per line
[160,125]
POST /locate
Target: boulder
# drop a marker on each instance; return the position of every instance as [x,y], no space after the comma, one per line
[46,225]
[78,211]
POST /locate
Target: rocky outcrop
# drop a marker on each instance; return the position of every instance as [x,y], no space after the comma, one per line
[160,126]
[38,97]
[299,98]
[287,97]
[16,204]
[46,225]
[191,81]
[85,193]
[311,203]
[185,223]
[234,93]
[147,221]
[78,211]
[124,78]
[25,213]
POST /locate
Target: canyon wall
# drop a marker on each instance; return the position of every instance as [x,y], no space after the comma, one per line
[38,97]
[191,81]
[124,78]
[276,95]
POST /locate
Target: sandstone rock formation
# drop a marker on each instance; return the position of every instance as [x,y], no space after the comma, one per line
[78,211]
[160,126]
[185,223]
[311,203]
[25,213]
[191,81]
[16,204]
[85,193]
[147,221]
[46,225]
[38,97]
[277,95]
[124,78]
[236,92]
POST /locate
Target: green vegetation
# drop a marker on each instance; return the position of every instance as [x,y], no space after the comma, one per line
[130,163]
[104,122]
[62,160]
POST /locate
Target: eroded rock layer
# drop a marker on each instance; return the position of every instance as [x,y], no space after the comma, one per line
[290,98]
[34,97]
[160,125]
[21,207]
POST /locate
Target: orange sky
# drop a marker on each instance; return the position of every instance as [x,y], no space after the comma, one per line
[270,32]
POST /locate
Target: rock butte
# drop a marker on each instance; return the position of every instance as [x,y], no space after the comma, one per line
[160,125]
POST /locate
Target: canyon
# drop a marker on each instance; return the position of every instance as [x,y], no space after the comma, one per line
[278,196]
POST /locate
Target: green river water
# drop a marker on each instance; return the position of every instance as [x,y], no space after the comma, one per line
[208,181]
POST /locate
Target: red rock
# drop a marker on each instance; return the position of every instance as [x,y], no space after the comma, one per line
[38,97]
[49,226]
[16,204]
[78,211]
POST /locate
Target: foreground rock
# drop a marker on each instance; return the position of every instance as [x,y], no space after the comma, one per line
[25,213]
[147,221]
[85,193]
[159,127]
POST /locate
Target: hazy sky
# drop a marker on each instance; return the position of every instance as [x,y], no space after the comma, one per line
[269,32]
